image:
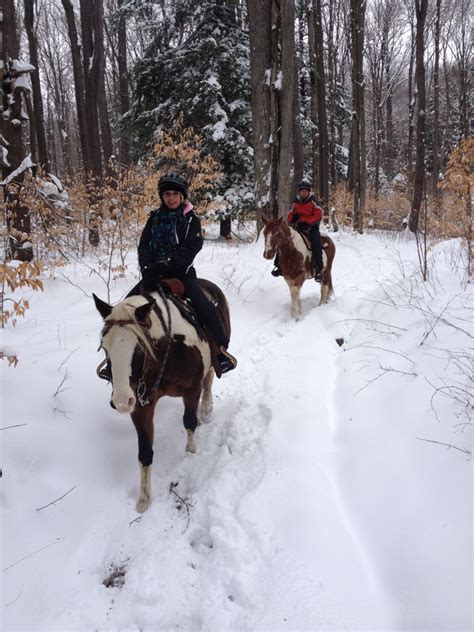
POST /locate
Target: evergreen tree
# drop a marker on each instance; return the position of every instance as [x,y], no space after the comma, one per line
[198,65]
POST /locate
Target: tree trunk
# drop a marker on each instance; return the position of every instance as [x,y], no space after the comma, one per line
[411,107]
[298,152]
[36,85]
[436,140]
[225,227]
[358,107]
[124,99]
[105,133]
[332,94]
[274,112]
[389,139]
[313,93]
[286,105]
[260,62]
[323,154]
[17,214]
[78,84]
[419,176]
[92,16]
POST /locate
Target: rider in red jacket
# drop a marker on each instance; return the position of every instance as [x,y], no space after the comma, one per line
[305,215]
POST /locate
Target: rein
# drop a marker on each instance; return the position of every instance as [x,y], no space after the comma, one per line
[141,387]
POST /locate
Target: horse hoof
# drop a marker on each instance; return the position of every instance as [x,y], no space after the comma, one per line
[143,504]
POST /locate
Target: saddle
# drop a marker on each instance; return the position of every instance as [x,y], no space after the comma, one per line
[174,290]
[304,232]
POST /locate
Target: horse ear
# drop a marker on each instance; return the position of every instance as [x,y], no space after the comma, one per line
[142,312]
[103,307]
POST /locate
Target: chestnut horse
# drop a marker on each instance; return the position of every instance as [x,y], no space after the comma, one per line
[295,259]
[153,350]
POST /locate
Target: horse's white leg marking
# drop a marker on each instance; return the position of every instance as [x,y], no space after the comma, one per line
[324,294]
[295,300]
[144,500]
[206,405]
[190,443]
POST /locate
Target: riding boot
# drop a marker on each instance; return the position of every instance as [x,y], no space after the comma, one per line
[317,251]
[226,360]
[276,272]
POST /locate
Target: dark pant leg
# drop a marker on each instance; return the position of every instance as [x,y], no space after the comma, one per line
[205,311]
[316,245]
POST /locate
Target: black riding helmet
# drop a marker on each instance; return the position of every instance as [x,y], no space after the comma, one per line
[304,184]
[173,182]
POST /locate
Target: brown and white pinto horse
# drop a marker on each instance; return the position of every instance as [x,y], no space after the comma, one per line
[295,259]
[154,351]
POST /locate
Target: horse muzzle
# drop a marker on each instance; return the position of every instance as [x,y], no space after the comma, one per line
[268,253]
[123,403]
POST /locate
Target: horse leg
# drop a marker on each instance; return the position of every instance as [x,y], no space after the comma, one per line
[295,299]
[191,400]
[143,421]
[206,397]
[326,287]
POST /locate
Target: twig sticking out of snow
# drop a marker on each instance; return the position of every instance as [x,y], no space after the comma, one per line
[182,502]
[55,501]
[31,554]
[448,445]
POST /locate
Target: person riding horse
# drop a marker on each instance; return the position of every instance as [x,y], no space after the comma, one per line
[305,216]
[169,242]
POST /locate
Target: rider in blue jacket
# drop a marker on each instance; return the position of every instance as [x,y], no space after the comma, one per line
[169,242]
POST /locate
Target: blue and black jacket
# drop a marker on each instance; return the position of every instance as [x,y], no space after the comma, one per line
[171,236]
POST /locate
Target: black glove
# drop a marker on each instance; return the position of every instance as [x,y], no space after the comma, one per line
[161,269]
[296,218]
[149,279]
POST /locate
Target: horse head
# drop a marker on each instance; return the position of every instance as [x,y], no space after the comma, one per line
[127,340]
[275,233]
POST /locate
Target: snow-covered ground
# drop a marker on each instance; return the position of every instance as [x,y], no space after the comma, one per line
[317,499]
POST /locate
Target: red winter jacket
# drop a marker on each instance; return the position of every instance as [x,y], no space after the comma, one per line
[308,211]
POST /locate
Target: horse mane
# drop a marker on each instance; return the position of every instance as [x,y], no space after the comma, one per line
[124,314]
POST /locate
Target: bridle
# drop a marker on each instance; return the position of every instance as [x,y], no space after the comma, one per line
[140,367]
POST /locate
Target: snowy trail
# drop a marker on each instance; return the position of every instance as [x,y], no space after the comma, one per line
[284,531]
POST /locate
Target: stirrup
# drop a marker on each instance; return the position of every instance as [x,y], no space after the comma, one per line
[226,360]
[103,371]
[276,272]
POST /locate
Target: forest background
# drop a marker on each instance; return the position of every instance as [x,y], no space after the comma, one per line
[371,100]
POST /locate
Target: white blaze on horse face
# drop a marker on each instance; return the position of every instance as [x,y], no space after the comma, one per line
[120,344]
[268,250]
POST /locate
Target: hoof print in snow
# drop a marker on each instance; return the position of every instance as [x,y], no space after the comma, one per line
[116,575]
[201,540]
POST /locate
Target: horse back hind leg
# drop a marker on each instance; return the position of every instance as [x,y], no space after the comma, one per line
[326,287]
[206,404]
[143,421]
[190,419]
